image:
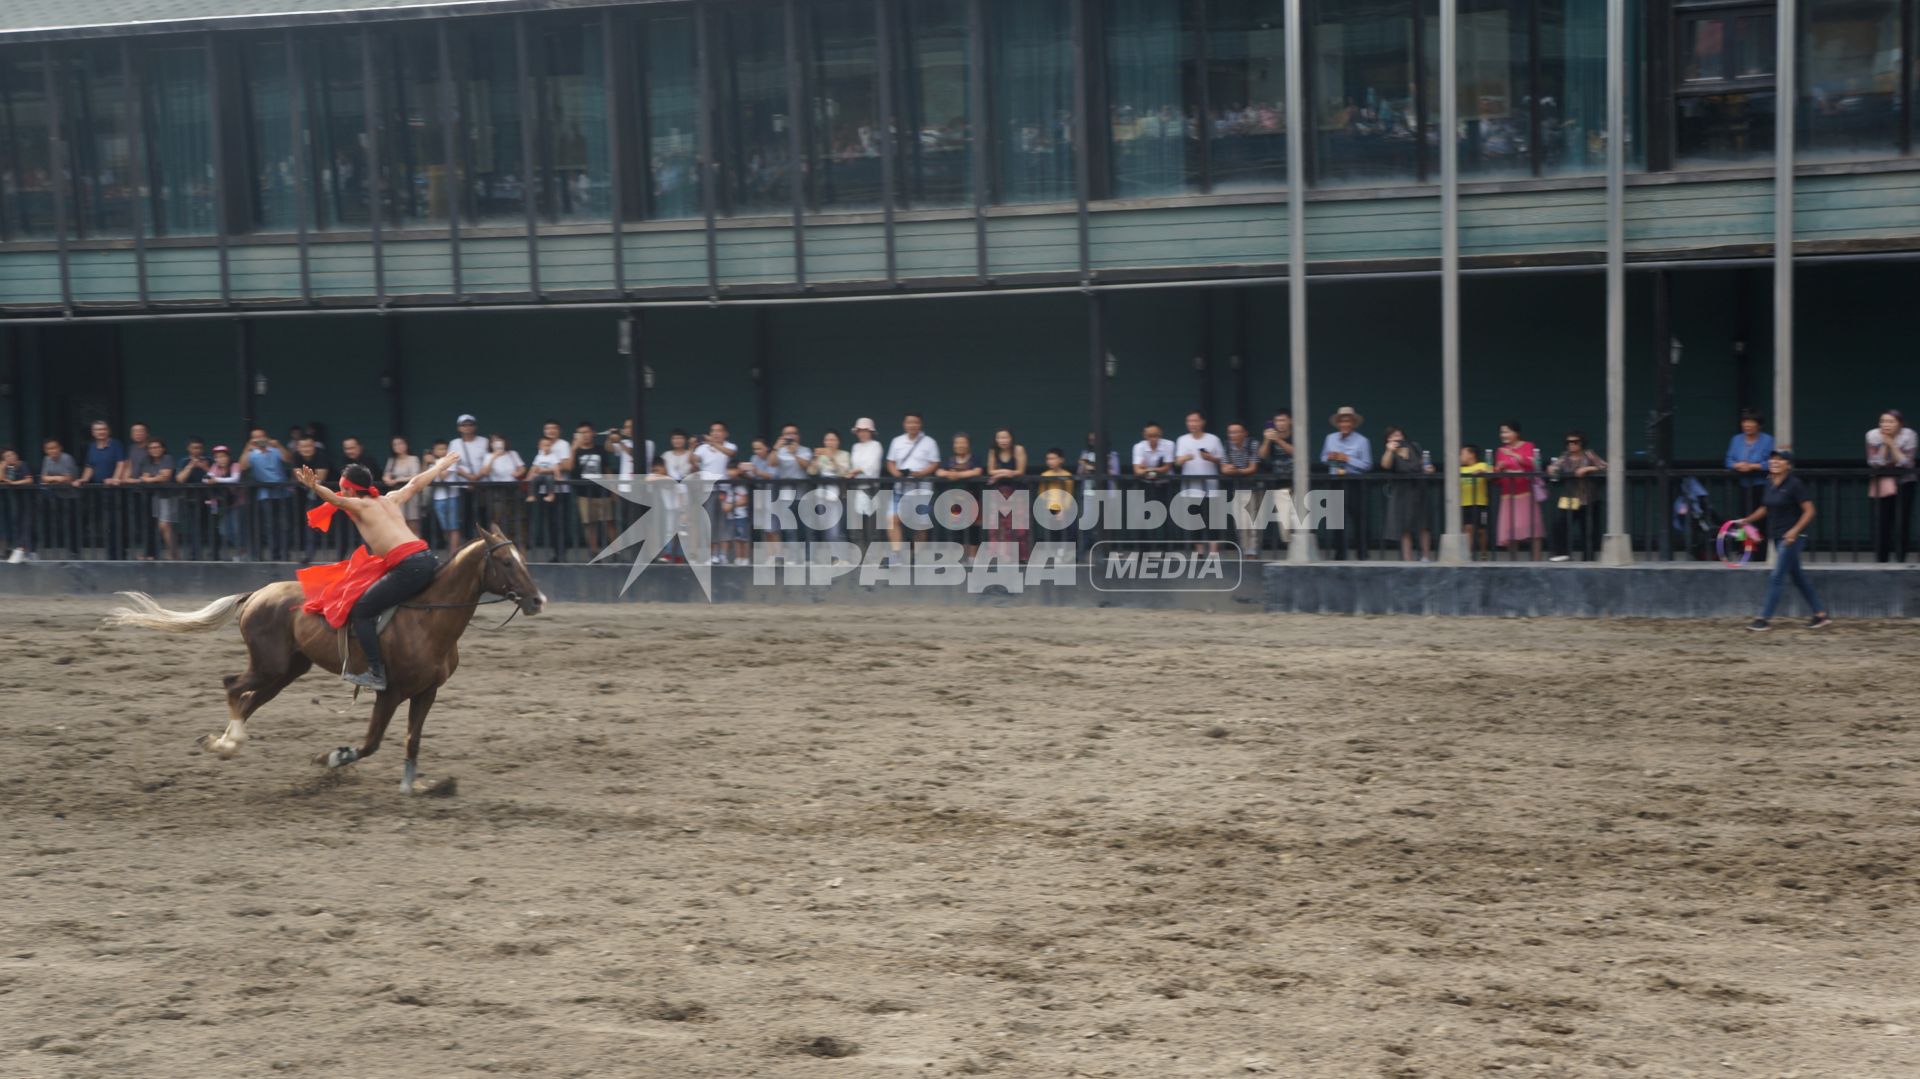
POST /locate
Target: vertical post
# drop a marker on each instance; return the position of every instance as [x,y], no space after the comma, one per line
[979,131]
[762,370]
[529,169]
[1097,380]
[302,177]
[137,127]
[376,204]
[1242,390]
[243,358]
[1453,545]
[637,377]
[1536,152]
[616,198]
[218,139]
[456,186]
[1617,548]
[1300,545]
[883,27]
[62,173]
[1203,61]
[1660,432]
[798,116]
[392,379]
[1203,358]
[1787,39]
[709,175]
[1082,164]
[1419,40]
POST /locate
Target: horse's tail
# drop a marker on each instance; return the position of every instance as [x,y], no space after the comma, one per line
[147,614]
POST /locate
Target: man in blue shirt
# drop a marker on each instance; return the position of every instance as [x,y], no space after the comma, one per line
[1747,457]
[265,465]
[1346,452]
[105,462]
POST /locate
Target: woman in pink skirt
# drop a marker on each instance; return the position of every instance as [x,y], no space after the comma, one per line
[1519,494]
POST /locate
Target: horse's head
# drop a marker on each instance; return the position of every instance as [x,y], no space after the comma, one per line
[506,574]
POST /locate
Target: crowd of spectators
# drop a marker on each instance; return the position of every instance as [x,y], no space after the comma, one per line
[239,502]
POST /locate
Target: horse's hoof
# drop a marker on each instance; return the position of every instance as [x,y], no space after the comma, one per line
[216,745]
[334,758]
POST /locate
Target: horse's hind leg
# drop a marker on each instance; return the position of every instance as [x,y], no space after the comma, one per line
[416,719]
[247,693]
[384,705]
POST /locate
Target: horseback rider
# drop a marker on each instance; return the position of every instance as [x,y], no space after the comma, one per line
[393,566]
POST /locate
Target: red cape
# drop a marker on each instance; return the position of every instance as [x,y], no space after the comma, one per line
[333,589]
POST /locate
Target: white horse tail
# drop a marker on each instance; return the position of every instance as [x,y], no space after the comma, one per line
[147,614]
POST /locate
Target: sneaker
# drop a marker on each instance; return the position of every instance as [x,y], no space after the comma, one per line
[1758,625]
[1819,621]
[1561,558]
[376,680]
[18,556]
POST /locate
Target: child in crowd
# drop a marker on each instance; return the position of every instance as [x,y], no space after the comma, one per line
[1473,501]
[739,528]
[1056,497]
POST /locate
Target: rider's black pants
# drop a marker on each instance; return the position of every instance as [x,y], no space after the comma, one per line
[399,584]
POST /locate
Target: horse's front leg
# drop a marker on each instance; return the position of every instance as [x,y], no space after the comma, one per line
[384,705]
[416,719]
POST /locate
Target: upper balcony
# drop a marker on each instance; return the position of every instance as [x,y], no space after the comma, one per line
[386,155]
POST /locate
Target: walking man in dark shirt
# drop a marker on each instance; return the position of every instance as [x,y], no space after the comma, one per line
[1788,510]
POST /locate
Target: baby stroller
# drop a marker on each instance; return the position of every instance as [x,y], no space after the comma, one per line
[1695,520]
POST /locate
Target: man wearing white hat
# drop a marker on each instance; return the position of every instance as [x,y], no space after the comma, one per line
[1346,452]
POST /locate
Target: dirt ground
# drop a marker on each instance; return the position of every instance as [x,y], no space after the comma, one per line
[722,842]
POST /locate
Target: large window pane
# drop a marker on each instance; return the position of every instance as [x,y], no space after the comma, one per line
[752,76]
[416,184]
[1031,89]
[1153,97]
[337,128]
[1247,93]
[1850,77]
[26,177]
[179,141]
[490,108]
[1724,101]
[1495,136]
[936,141]
[843,131]
[575,184]
[269,138]
[101,144]
[1363,78]
[670,74]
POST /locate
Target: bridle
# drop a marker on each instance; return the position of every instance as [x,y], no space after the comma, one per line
[508,596]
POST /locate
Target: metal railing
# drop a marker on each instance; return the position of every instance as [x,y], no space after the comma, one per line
[1673,515]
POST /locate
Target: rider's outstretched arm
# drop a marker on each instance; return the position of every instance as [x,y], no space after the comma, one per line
[419,483]
[310,479]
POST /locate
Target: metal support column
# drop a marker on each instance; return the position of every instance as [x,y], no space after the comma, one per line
[978,126]
[1453,542]
[243,356]
[883,29]
[613,68]
[451,143]
[1097,381]
[376,197]
[302,162]
[763,372]
[392,380]
[1300,545]
[131,82]
[63,173]
[709,173]
[532,176]
[1787,25]
[639,380]
[1082,165]
[217,137]
[1617,547]
[798,116]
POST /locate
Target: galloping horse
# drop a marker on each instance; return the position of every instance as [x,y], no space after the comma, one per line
[284,642]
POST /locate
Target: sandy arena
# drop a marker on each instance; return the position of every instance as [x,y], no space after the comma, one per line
[724,842]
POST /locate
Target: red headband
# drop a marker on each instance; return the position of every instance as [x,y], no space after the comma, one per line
[320,518]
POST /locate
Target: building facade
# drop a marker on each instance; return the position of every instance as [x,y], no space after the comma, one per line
[1066,216]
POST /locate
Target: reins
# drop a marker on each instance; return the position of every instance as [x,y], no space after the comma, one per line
[508,597]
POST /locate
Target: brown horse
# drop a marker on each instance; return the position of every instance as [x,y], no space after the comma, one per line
[284,642]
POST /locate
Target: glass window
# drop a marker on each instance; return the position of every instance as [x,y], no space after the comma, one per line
[752,76]
[575,181]
[101,144]
[670,71]
[415,183]
[843,132]
[1153,98]
[179,141]
[1247,93]
[1850,77]
[490,108]
[1031,89]
[935,105]
[269,139]
[1495,136]
[26,176]
[337,131]
[1724,97]
[1363,79]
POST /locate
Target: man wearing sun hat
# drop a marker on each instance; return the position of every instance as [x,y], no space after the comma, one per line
[1346,452]
[868,457]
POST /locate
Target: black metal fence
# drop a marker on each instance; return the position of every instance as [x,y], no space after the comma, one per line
[1672,515]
